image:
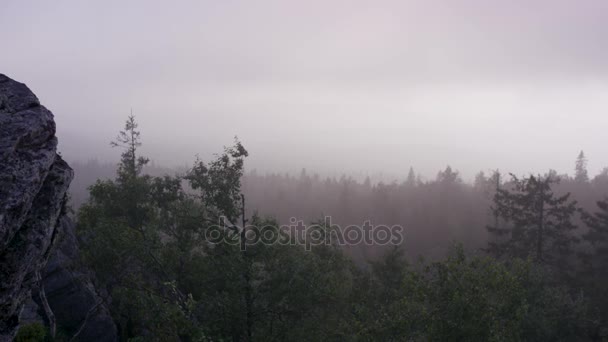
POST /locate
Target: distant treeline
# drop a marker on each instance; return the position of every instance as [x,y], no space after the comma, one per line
[435,213]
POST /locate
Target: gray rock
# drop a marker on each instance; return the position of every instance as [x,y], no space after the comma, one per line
[69,287]
[33,185]
[31,313]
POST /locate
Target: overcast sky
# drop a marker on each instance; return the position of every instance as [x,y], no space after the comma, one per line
[353,86]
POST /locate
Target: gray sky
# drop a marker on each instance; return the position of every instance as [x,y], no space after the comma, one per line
[353,86]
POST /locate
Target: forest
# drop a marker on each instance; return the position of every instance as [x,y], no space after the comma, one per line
[319,170]
[507,258]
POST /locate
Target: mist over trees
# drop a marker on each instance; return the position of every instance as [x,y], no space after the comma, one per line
[303,171]
[504,258]
[435,213]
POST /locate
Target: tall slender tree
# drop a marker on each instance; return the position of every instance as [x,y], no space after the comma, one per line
[411,178]
[122,228]
[129,140]
[581,174]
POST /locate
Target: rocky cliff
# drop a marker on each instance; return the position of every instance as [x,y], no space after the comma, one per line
[33,185]
[79,308]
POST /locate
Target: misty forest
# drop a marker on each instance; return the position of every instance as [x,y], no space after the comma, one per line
[320,170]
[506,258]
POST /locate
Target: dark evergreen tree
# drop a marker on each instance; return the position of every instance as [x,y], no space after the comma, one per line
[581,174]
[122,228]
[481,182]
[595,259]
[535,223]
[487,185]
[411,178]
[597,236]
[128,139]
[448,176]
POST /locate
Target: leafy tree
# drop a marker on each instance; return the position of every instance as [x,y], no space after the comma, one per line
[218,183]
[263,291]
[465,298]
[387,303]
[148,240]
[474,300]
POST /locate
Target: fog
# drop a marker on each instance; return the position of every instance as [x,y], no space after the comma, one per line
[311,170]
[356,87]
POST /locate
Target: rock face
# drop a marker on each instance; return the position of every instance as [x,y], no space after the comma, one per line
[79,308]
[33,184]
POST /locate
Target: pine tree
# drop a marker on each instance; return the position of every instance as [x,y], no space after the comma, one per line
[596,259]
[598,230]
[495,182]
[581,174]
[536,222]
[123,227]
[448,176]
[411,178]
[481,182]
[367,183]
[129,139]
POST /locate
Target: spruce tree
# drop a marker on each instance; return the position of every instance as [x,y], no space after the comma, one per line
[481,182]
[597,236]
[411,178]
[595,259]
[448,176]
[581,174]
[129,139]
[536,222]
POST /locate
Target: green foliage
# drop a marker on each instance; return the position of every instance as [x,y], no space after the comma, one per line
[476,300]
[219,182]
[535,222]
[595,259]
[466,299]
[34,332]
[128,230]
[130,165]
[146,239]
